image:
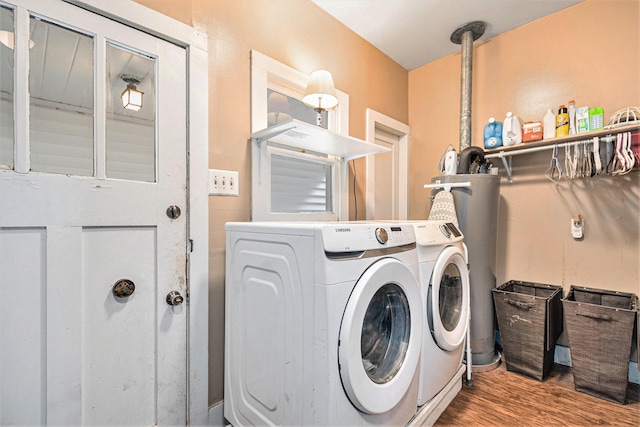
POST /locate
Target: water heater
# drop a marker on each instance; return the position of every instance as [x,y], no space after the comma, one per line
[477,209]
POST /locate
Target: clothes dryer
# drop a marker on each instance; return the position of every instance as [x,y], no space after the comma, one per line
[444,280]
[324,324]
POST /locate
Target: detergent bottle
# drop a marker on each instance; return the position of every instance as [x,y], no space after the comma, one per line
[511,130]
[562,122]
[549,125]
[493,134]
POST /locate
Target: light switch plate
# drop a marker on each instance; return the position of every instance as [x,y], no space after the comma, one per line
[223,183]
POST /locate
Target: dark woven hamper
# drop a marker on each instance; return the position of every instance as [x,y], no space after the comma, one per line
[600,331]
[530,321]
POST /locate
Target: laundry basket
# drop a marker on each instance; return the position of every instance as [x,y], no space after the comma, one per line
[530,321]
[600,331]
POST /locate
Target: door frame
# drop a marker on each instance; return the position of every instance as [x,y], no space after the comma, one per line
[195,43]
[376,120]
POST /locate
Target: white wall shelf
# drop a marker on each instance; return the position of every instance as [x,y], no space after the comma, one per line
[551,142]
[548,144]
[306,136]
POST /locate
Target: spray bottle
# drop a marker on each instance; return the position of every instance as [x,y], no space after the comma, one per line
[572,117]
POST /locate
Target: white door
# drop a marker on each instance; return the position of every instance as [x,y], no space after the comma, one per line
[89,200]
[380,337]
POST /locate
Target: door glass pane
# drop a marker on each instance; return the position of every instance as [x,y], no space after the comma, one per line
[61,99]
[6,87]
[131,145]
[385,333]
[450,302]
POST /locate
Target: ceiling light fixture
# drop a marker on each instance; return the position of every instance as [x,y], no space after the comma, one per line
[320,93]
[131,97]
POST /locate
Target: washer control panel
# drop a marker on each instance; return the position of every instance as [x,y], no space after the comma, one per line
[345,237]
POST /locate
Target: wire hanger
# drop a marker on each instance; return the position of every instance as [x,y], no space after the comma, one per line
[554,173]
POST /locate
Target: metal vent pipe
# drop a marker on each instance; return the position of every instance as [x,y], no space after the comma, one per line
[465,36]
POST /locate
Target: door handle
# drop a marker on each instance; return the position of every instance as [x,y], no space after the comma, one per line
[174,298]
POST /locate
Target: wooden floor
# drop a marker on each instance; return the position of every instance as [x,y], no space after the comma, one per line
[502,398]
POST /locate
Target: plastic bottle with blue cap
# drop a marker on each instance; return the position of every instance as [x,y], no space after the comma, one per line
[493,134]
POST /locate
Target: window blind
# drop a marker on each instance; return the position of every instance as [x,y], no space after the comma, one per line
[300,185]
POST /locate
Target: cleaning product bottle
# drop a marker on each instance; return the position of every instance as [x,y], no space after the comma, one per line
[492,134]
[511,130]
[549,125]
[572,117]
[562,122]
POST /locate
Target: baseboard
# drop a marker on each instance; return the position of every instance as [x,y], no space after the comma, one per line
[216,415]
[562,356]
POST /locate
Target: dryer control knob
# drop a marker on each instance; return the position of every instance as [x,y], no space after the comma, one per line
[381,235]
[445,231]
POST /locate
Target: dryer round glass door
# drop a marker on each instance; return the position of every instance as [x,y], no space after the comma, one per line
[381,337]
[449,299]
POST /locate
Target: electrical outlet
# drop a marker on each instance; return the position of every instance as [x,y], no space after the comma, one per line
[577,227]
[223,183]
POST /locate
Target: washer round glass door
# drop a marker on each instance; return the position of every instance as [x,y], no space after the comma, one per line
[381,337]
[449,299]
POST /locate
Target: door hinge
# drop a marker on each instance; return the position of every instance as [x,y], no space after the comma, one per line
[190,245]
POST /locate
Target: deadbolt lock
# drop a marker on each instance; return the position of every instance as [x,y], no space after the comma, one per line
[174,298]
[123,288]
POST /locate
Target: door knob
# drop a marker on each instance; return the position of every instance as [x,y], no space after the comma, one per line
[173,212]
[174,298]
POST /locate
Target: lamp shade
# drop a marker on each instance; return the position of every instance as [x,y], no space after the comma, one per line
[320,93]
[8,39]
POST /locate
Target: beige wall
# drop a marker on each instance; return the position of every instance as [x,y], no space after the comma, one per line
[300,35]
[589,52]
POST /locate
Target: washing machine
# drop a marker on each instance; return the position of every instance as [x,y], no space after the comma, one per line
[324,324]
[444,280]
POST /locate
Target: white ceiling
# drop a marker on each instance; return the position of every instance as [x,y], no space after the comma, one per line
[416,32]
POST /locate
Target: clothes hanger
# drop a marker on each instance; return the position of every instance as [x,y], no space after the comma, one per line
[554,172]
